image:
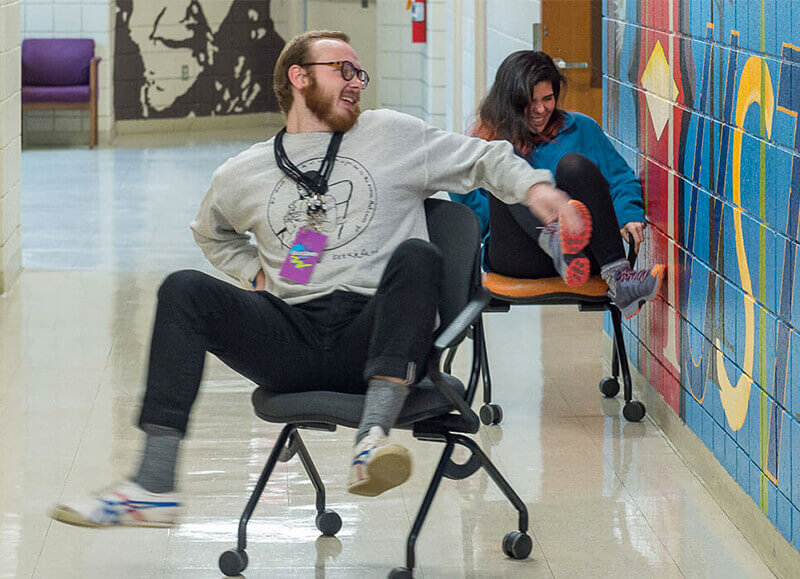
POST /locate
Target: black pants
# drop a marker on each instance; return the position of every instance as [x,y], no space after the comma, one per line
[513,249]
[337,342]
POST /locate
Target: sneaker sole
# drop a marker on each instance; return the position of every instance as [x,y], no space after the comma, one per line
[388,468]
[658,271]
[73,517]
[578,270]
[573,242]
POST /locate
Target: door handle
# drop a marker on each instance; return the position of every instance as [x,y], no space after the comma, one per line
[560,63]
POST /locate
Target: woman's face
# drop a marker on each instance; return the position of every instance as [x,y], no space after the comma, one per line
[541,106]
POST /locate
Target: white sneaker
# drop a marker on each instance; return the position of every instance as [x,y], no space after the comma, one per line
[378,465]
[123,504]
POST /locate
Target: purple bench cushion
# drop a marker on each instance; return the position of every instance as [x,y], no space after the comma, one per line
[56,61]
[55,94]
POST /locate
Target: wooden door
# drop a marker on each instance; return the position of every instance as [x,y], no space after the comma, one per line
[572,31]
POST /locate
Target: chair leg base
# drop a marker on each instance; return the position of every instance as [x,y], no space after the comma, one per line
[609,386]
[328,522]
[517,545]
[634,411]
[233,562]
[491,414]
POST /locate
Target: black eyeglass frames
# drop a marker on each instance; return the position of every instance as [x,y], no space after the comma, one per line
[347,68]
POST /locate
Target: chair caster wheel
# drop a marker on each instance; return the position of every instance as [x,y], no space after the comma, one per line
[633,411]
[233,562]
[491,414]
[328,522]
[401,573]
[609,387]
[517,545]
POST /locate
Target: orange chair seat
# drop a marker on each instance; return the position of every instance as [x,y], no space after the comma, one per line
[517,289]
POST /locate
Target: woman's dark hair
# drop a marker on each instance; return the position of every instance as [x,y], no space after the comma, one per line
[501,114]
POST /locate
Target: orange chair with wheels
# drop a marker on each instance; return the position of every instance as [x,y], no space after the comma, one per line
[590,297]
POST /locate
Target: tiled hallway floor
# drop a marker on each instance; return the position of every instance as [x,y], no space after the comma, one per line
[102,228]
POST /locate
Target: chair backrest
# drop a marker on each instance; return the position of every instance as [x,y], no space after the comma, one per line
[455,230]
[56,61]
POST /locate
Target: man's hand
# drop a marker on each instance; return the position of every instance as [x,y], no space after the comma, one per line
[636,229]
[546,202]
[260,281]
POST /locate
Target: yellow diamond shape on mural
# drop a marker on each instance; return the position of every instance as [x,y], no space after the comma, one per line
[661,88]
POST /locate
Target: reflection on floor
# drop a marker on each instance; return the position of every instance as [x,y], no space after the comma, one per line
[101,229]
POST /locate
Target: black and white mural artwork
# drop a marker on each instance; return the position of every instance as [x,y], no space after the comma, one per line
[175,58]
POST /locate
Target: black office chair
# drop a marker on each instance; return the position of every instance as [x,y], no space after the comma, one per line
[436,410]
[590,297]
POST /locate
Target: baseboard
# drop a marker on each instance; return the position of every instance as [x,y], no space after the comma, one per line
[779,555]
[212,123]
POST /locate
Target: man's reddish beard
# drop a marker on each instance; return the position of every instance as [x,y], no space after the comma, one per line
[324,107]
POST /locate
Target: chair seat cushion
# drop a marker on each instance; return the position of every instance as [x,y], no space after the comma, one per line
[424,401]
[55,94]
[540,290]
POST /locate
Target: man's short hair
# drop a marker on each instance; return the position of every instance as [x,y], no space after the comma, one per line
[296,52]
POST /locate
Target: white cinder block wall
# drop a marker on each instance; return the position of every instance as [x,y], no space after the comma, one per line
[72,19]
[434,65]
[509,27]
[400,70]
[436,81]
[10,144]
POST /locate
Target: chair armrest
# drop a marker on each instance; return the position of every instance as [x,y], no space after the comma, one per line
[452,333]
[447,339]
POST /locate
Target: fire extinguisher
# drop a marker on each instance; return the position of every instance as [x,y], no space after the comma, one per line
[418,10]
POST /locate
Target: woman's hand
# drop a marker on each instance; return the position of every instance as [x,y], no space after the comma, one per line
[636,229]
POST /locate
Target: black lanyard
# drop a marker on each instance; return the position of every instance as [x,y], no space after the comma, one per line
[314,182]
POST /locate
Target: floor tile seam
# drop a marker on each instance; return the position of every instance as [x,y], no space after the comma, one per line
[81,439]
[688,467]
[63,485]
[708,494]
[657,536]
[503,469]
[607,461]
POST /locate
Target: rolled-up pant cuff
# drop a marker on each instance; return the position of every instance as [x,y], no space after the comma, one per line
[166,418]
[391,367]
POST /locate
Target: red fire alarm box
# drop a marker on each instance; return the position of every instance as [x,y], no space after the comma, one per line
[418,15]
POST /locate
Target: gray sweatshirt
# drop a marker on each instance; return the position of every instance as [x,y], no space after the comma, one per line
[388,163]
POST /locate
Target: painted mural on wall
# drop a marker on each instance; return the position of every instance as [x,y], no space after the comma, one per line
[709,110]
[175,58]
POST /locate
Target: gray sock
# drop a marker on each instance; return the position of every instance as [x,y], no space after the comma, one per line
[382,406]
[608,272]
[157,469]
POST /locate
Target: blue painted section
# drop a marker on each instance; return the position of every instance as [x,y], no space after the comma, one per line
[716,259]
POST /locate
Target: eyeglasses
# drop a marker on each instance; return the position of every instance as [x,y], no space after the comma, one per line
[348,70]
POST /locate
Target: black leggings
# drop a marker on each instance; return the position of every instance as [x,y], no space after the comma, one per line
[336,342]
[513,249]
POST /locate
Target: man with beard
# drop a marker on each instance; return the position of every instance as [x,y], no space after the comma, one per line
[352,311]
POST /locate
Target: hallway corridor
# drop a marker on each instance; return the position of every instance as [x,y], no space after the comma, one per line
[102,228]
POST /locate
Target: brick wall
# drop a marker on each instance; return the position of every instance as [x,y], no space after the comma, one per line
[703,98]
[10,249]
